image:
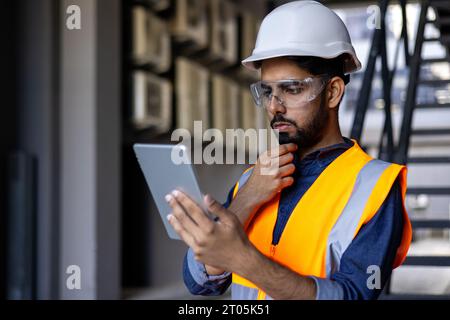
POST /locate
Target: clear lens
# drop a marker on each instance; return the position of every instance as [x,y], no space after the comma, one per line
[289,93]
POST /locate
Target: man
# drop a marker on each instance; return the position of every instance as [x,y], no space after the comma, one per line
[329,223]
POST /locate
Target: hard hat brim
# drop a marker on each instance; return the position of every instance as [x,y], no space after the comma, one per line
[351,65]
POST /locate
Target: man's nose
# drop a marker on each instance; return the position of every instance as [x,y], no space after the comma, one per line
[276,105]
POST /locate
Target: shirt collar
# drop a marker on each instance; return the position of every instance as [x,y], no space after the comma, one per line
[320,153]
[323,155]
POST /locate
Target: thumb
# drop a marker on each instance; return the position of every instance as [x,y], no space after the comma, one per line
[216,208]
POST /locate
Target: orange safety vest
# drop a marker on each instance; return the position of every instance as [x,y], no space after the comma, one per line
[345,196]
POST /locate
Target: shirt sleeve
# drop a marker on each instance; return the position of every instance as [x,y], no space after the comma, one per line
[374,248]
[229,198]
[195,277]
[197,280]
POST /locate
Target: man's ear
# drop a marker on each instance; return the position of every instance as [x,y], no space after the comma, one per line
[335,91]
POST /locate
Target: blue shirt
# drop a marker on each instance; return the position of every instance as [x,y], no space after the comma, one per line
[375,244]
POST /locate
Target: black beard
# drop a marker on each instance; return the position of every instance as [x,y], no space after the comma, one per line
[310,135]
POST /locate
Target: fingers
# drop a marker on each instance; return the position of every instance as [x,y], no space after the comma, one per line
[191,207]
[180,214]
[282,149]
[285,148]
[216,208]
[286,182]
[286,170]
[285,159]
[184,235]
[277,167]
[277,157]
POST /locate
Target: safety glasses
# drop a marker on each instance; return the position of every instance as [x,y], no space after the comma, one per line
[291,93]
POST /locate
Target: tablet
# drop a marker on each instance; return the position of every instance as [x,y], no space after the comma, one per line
[164,172]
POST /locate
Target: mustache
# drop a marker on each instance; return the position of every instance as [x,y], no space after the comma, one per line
[279,118]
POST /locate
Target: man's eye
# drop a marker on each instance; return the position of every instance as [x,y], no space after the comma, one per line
[293,89]
[266,92]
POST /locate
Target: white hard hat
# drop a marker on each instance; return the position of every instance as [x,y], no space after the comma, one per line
[303,28]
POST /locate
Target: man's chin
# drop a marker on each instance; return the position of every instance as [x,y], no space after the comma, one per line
[284,138]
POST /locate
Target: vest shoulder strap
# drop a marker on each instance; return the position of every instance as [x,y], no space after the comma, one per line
[242,180]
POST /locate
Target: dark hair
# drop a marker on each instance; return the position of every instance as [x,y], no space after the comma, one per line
[316,65]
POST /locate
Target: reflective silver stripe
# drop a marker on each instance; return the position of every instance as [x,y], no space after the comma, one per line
[244,177]
[240,292]
[342,233]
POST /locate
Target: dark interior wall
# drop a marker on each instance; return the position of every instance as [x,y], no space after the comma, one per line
[109,96]
[8,118]
[30,121]
[36,91]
